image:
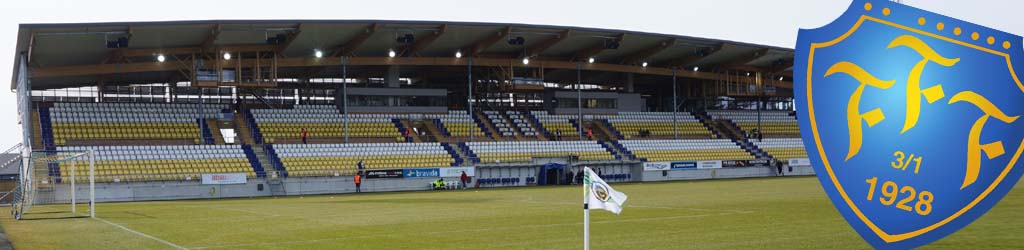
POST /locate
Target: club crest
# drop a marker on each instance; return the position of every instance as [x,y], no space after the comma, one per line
[600,191]
[911,119]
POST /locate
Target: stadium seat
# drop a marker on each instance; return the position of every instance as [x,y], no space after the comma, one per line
[511,151]
[686,150]
[659,124]
[342,159]
[159,163]
[322,121]
[86,122]
[774,123]
[782,149]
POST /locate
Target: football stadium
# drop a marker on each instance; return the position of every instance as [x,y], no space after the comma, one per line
[373,134]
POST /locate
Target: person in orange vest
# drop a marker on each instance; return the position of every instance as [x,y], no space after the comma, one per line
[358,179]
[304,134]
[590,133]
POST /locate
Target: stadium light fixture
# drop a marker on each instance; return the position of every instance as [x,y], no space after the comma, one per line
[227,55]
[591,60]
[644,64]
[526,61]
[391,53]
[160,58]
[458,54]
[318,53]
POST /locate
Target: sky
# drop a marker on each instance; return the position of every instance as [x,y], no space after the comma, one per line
[774,22]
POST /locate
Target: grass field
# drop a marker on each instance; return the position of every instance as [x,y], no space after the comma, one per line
[765,213]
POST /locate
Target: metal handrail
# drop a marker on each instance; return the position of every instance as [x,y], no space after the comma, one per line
[16,147]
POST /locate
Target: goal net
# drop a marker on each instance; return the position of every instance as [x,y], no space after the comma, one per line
[56,184]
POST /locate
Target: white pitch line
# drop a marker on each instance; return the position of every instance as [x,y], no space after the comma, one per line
[141,234]
[275,243]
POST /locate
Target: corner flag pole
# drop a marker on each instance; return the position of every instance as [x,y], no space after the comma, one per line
[586,210]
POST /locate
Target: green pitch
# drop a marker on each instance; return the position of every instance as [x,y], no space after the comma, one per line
[765,213]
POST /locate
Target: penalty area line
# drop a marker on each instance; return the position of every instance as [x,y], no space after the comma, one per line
[141,234]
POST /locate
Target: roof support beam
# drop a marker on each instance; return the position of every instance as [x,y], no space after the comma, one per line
[780,65]
[535,50]
[479,46]
[422,42]
[291,38]
[694,57]
[597,48]
[745,59]
[641,56]
[115,55]
[352,44]
[211,38]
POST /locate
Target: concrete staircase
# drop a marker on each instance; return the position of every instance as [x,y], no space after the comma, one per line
[37,132]
[515,129]
[489,128]
[433,130]
[733,132]
[264,158]
[214,126]
[614,150]
[412,132]
[244,135]
[709,124]
[602,132]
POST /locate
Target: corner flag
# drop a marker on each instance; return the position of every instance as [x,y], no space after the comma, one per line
[602,195]
[598,194]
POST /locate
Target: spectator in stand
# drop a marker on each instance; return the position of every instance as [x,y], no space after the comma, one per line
[590,133]
[304,134]
[558,134]
[358,179]
[464,179]
[360,166]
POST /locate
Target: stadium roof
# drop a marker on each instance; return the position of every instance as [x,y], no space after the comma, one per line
[77,54]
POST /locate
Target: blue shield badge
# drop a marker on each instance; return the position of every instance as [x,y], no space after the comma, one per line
[911,119]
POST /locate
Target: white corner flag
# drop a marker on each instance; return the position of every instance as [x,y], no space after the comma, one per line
[598,194]
[601,195]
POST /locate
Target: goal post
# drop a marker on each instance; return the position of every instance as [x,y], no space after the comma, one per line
[51,185]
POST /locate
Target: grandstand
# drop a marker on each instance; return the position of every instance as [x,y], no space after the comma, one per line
[292,107]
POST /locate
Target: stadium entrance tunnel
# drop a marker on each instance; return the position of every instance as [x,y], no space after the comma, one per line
[551,174]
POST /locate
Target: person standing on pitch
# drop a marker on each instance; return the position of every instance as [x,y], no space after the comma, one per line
[464,179]
[304,134]
[358,179]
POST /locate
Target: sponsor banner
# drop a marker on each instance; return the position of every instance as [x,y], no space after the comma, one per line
[744,163]
[684,165]
[657,166]
[421,172]
[799,162]
[381,174]
[733,163]
[218,179]
[709,164]
[457,171]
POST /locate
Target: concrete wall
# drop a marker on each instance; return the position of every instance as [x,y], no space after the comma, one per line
[147,191]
